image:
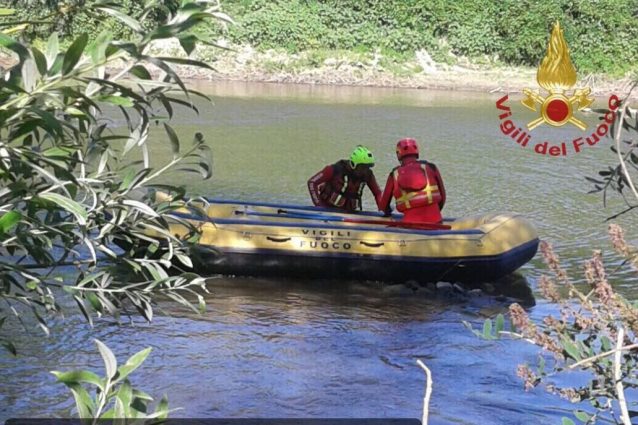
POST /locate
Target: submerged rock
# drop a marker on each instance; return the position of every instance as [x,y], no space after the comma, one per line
[488,288]
[444,286]
[459,288]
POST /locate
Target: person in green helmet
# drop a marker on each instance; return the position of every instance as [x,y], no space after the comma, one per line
[341,184]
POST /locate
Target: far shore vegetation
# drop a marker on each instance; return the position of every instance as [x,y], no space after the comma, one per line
[466,45]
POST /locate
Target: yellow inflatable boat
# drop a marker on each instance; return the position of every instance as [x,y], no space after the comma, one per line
[248,238]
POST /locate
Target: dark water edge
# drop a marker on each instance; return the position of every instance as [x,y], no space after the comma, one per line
[268,348]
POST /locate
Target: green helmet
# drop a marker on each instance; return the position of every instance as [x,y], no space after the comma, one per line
[361,155]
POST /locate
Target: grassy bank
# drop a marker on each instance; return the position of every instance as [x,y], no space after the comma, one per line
[468,44]
[339,67]
[603,35]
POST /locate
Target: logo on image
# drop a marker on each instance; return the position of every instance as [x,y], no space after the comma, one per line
[557,75]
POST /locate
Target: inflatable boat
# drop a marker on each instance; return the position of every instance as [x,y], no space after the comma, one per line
[265,239]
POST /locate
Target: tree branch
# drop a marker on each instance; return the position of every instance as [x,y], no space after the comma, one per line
[617,142]
[624,414]
[601,355]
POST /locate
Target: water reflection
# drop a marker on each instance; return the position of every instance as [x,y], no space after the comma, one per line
[329,94]
[285,348]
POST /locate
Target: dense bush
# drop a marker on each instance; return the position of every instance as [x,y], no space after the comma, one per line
[73,188]
[602,35]
[72,18]
[607,34]
[299,25]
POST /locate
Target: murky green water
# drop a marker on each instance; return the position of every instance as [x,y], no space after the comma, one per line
[275,348]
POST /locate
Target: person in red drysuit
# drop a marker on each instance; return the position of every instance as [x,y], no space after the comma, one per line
[416,185]
[341,184]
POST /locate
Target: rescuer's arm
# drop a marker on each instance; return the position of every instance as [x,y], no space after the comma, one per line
[315,182]
[383,202]
[439,182]
[371,181]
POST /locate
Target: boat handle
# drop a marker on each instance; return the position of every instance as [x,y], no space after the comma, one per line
[372,245]
[277,239]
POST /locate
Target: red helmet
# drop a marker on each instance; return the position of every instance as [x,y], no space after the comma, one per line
[407,147]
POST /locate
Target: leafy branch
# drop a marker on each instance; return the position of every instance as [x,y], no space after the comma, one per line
[619,178]
[72,186]
[115,398]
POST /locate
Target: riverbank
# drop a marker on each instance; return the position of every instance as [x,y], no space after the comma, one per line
[345,68]
[352,69]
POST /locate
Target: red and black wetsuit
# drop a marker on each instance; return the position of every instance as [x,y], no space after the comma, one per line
[337,186]
[417,187]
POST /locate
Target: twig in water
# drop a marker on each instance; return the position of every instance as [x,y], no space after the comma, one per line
[624,414]
[428,392]
[601,355]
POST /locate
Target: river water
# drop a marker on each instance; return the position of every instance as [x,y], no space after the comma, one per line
[282,348]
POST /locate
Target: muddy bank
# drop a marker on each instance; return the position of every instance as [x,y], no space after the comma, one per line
[243,63]
[510,80]
[247,64]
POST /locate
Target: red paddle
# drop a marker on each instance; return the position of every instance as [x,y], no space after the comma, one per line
[409,225]
[390,223]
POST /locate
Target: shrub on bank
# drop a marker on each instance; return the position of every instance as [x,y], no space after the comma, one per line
[602,35]
[72,18]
